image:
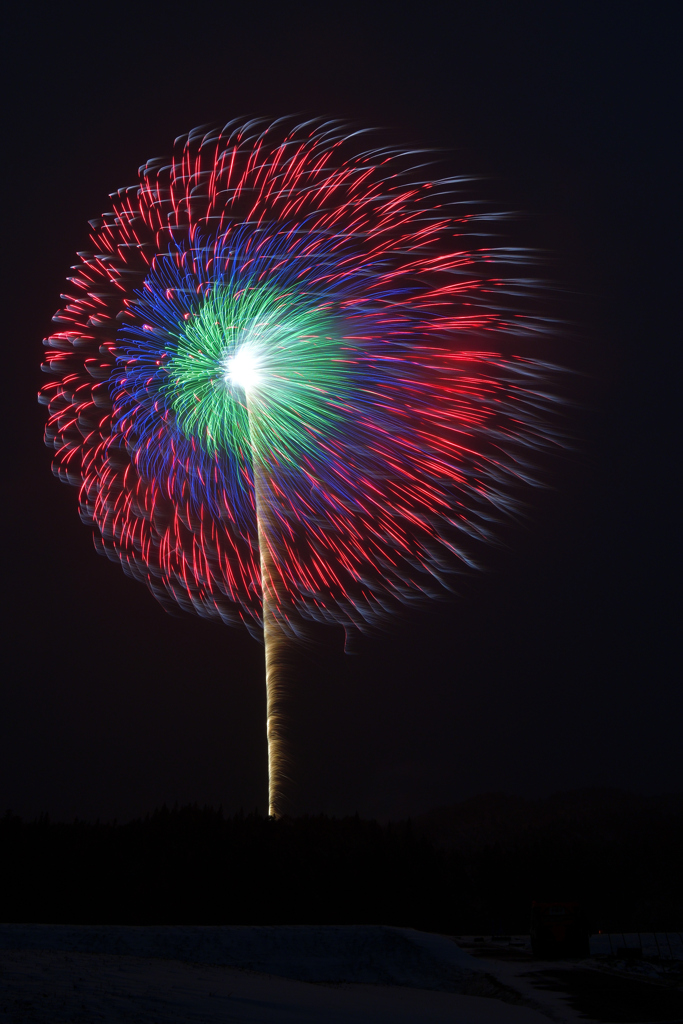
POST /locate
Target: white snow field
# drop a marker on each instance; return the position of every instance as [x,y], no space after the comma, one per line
[269,975]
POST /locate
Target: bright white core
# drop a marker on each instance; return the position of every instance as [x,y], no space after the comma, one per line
[242,369]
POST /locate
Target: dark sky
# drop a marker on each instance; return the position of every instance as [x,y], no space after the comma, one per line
[558,668]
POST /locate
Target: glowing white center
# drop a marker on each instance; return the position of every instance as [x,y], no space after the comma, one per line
[242,369]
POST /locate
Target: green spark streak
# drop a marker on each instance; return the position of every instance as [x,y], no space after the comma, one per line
[294,342]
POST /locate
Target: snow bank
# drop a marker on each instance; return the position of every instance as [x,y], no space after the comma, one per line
[40,987]
[335,954]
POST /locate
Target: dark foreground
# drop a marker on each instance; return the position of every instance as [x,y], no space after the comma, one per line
[340,975]
[472,868]
[49,987]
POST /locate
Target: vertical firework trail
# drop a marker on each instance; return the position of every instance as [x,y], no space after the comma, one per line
[293,384]
[277,647]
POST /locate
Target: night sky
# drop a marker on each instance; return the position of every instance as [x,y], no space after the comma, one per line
[556,669]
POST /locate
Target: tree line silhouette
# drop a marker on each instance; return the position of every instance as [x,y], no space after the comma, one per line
[471,868]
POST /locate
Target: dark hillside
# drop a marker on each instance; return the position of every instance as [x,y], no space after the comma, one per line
[617,853]
[474,867]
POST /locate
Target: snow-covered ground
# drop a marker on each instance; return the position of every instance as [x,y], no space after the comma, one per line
[286,975]
[350,954]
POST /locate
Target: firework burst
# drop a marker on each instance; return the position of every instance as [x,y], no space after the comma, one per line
[284,384]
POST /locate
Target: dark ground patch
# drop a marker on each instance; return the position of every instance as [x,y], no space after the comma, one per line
[611,999]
